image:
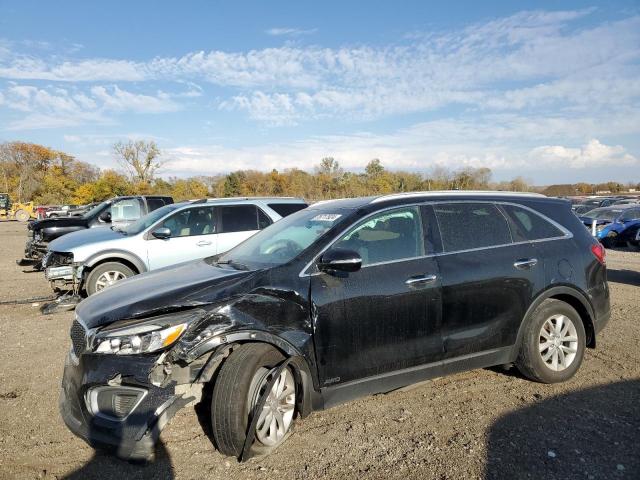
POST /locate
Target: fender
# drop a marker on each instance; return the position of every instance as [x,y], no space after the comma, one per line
[553,292]
[116,255]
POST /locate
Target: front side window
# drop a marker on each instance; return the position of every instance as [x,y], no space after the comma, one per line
[465,226]
[527,225]
[192,222]
[385,237]
[126,210]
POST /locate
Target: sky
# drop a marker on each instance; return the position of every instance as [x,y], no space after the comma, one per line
[546,90]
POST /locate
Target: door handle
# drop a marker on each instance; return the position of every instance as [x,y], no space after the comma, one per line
[203,243]
[525,263]
[421,279]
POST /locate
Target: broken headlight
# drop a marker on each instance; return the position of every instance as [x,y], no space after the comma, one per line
[131,337]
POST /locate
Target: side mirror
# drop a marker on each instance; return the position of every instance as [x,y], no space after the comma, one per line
[341,260]
[162,233]
[105,217]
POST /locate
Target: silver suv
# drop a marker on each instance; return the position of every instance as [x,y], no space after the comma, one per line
[96,258]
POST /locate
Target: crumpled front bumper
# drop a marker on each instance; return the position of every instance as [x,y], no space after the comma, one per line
[132,437]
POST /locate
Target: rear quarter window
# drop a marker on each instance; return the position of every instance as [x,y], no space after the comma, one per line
[465,226]
[285,209]
[527,225]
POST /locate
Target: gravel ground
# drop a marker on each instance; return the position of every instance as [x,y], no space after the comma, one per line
[479,424]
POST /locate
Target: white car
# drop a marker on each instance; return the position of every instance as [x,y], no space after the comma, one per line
[95,258]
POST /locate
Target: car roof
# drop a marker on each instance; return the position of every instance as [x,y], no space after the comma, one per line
[408,197]
[248,200]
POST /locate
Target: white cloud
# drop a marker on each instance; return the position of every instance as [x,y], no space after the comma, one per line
[593,154]
[54,107]
[290,32]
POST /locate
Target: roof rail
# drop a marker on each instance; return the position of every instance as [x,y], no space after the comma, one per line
[435,193]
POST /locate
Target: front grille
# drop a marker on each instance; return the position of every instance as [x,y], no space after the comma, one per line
[78,338]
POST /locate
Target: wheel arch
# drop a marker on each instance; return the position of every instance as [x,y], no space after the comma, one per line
[126,258]
[309,398]
[570,295]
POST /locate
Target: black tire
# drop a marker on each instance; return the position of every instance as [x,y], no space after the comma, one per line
[230,399]
[91,285]
[609,242]
[530,362]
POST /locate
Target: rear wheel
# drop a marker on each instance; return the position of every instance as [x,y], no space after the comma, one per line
[553,343]
[240,383]
[105,275]
[22,215]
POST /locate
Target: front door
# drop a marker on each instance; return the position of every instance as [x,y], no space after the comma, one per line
[193,236]
[386,316]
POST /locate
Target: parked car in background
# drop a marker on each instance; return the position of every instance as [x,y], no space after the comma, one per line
[118,211]
[590,203]
[626,201]
[60,211]
[344,299]
[81,210]
[612,222]
[92,260]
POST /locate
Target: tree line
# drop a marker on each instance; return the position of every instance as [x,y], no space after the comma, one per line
[31,172]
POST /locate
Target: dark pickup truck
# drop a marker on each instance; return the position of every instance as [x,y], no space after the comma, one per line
[117,211]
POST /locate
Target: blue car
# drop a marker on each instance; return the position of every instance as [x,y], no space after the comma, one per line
[612,222]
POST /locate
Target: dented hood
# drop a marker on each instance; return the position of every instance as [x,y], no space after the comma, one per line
[58,222]
[176,288]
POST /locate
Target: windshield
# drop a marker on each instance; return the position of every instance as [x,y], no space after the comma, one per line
[95,210]
[603,214]
[145,222]
[285,239]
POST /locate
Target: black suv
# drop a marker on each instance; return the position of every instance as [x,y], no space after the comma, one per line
[343,299]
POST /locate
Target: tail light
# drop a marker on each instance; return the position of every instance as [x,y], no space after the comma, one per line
[599,252]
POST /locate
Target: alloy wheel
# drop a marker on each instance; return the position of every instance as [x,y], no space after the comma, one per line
[276,416]
[108,278]
[558,342]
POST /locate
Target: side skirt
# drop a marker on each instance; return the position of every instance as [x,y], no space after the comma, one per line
[386,382]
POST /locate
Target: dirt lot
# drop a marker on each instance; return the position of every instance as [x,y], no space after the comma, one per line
[480,424]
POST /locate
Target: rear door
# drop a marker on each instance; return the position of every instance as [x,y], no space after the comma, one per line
[487,280]
[193,236]
[237,223]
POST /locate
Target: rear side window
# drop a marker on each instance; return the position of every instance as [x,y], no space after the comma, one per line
[631,214]
[527,225]
[464,226]
[155,203]
[285,209]
[242,218]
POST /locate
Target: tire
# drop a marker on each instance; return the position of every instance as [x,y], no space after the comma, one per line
[22,216]
[53,215]
[235,392]
[530,361]
[609,242]
[98,278]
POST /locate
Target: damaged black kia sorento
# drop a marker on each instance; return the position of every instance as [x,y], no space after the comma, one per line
[343,299]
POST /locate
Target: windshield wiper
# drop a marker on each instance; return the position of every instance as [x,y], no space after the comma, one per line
[233,264]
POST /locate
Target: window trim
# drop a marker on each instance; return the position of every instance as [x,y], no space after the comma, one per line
[567,233]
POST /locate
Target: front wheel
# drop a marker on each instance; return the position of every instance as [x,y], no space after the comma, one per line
[105,275]
[553,344]
[240,383]
[22,216]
